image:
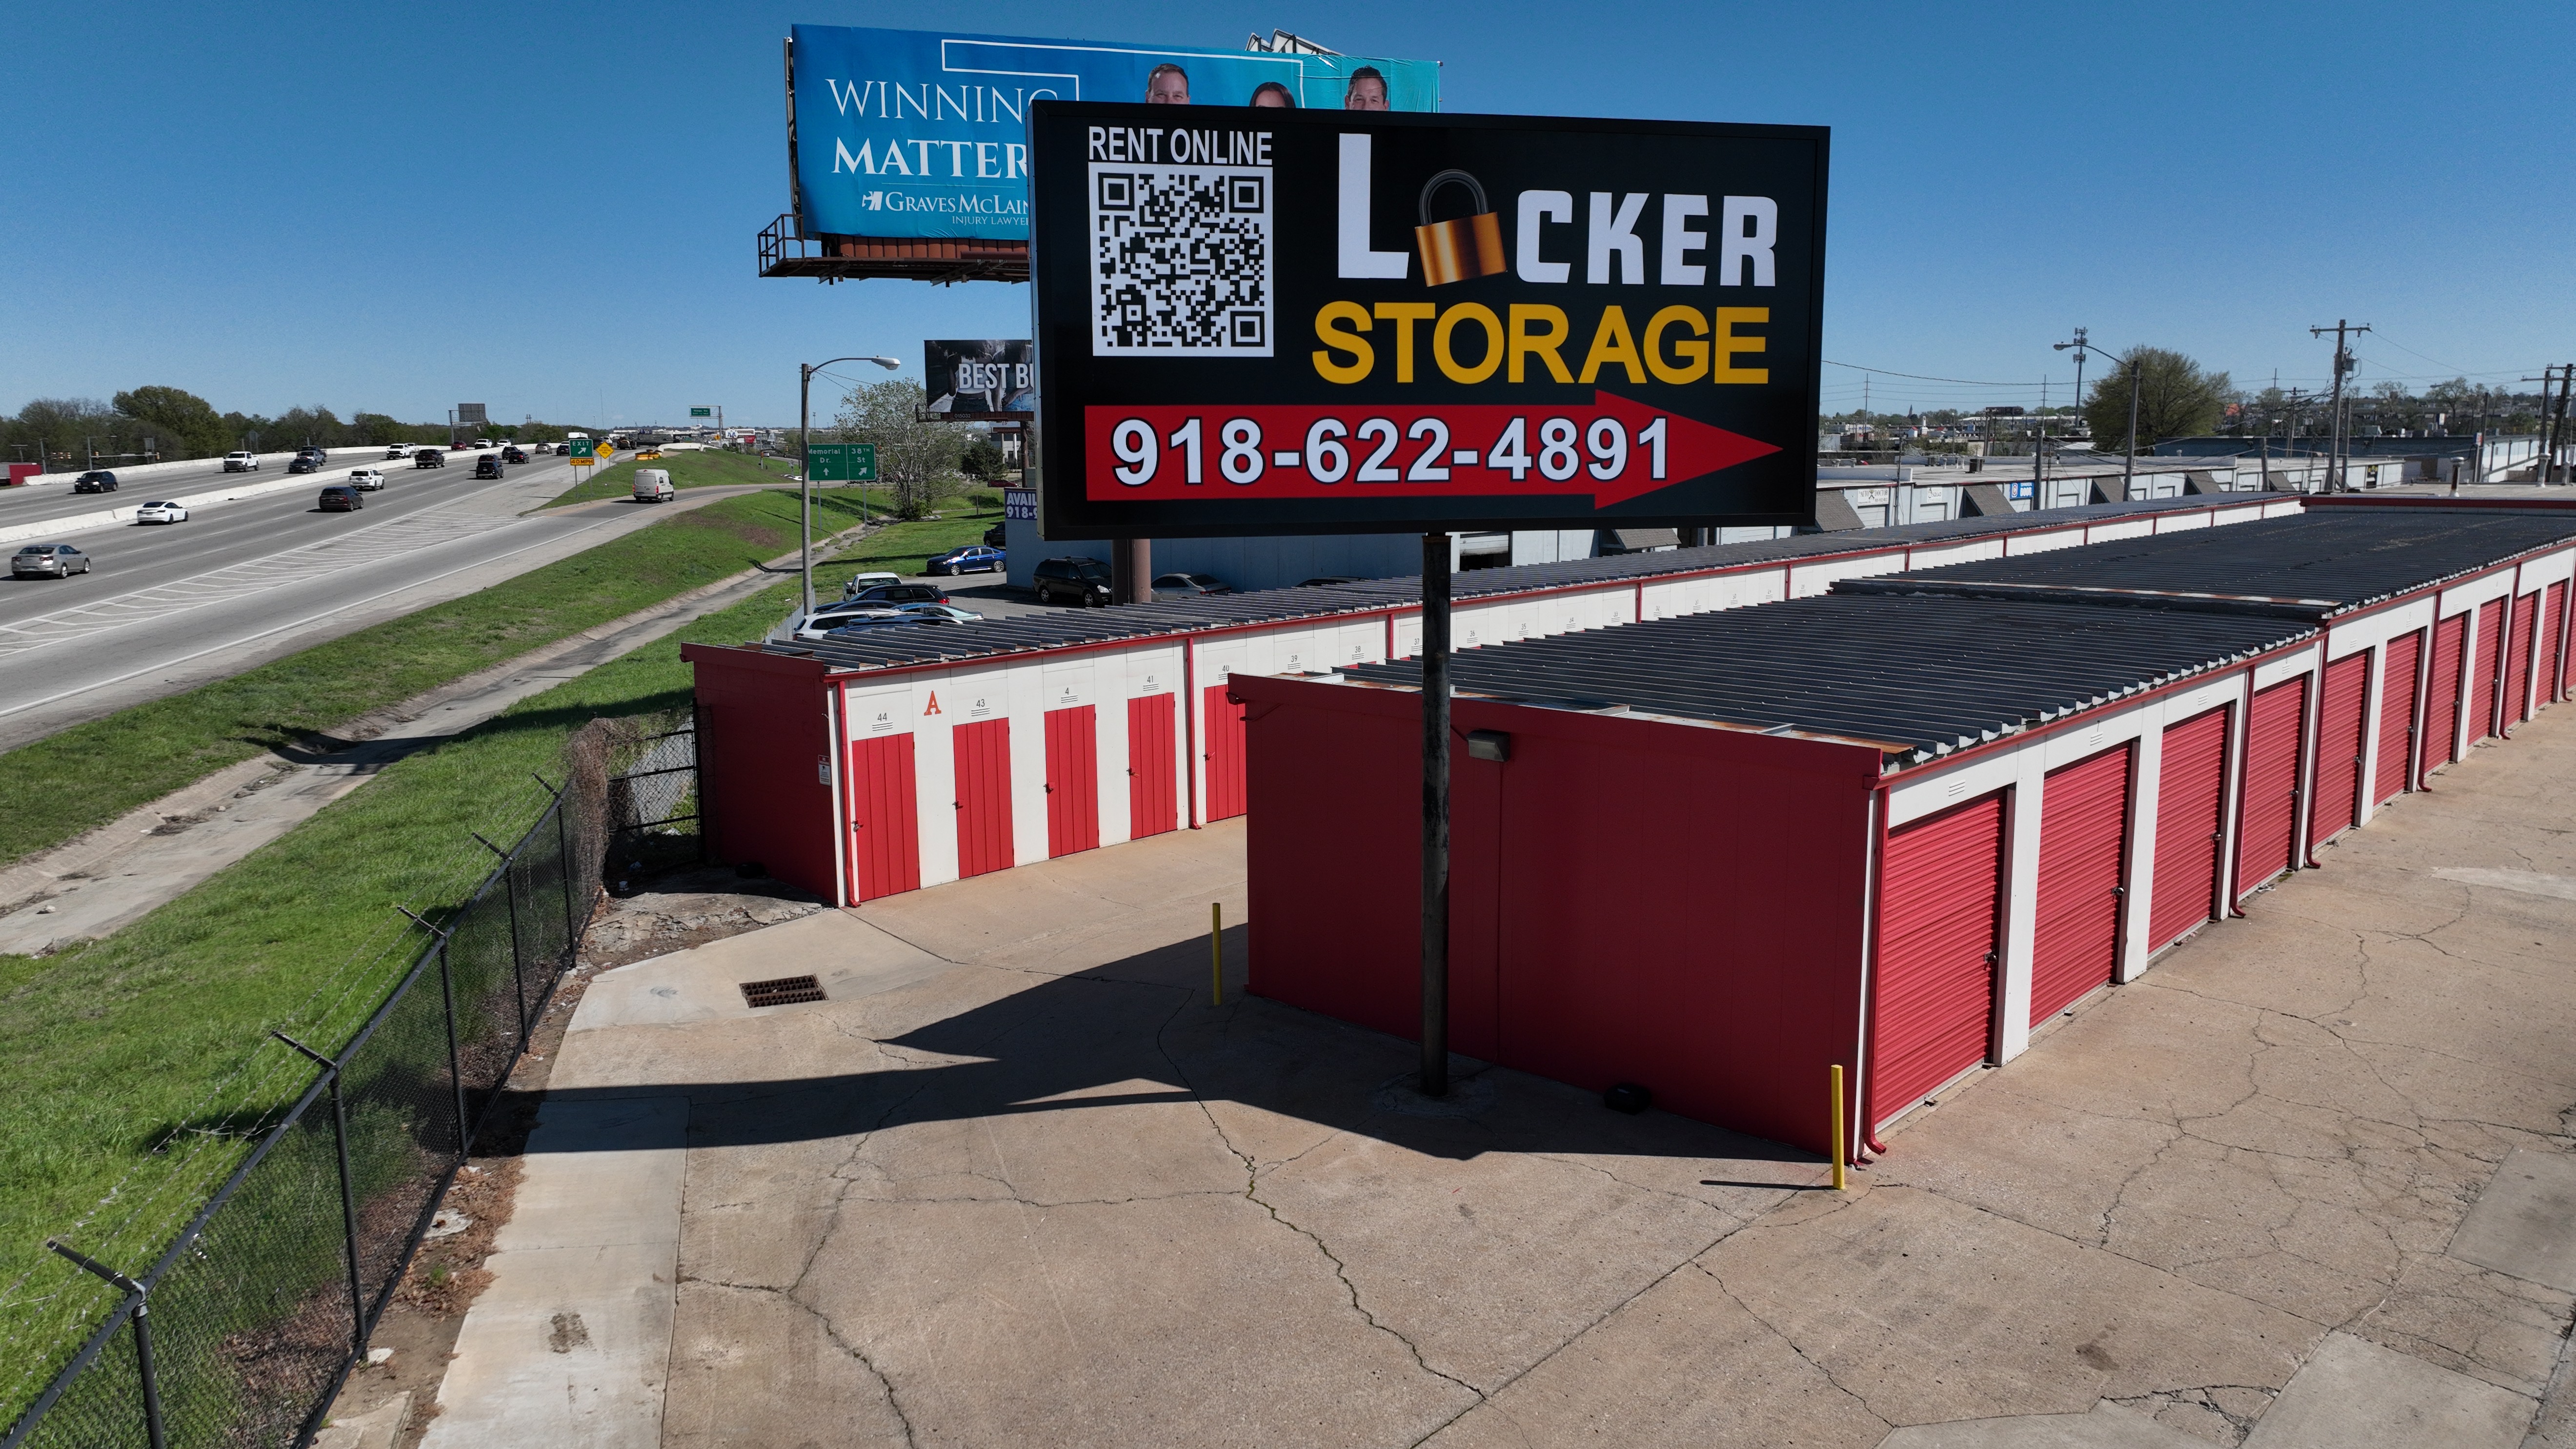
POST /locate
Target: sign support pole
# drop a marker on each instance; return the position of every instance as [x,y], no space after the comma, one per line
[1435,814]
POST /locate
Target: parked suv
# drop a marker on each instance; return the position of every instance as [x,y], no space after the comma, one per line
[96,480]
[241,462]
[1071,580]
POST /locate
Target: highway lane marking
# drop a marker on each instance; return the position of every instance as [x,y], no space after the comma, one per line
[366,545]
[299,623]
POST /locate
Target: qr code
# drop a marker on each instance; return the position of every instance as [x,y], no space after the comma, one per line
[1180,261]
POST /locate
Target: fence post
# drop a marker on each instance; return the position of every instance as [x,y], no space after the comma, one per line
[455,1066]
[518,973]
[563,871]
[152,1431]
[348,1193]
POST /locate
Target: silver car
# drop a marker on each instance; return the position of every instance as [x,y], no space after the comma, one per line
[48,561]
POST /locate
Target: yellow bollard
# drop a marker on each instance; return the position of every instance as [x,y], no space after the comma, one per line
[1835,1090]
[1216,954]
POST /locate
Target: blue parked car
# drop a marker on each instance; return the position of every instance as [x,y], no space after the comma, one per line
[974,558]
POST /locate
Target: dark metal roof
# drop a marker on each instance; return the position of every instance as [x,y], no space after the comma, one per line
[2316,565]
[1918,676]
[930,644]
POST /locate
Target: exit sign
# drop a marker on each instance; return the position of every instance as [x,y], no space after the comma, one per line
[702,412]
[841,462]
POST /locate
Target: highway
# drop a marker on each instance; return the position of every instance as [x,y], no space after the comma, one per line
[171,606]
[51,495]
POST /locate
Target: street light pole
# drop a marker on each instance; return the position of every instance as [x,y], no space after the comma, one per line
[805,456]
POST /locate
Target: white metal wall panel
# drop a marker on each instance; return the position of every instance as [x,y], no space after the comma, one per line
[2547,569]
[2181,521]
[1933,556]
[2470,593]
[1707,593]
[1807,580]
[2045,540]
[2119,528]
[2371,630]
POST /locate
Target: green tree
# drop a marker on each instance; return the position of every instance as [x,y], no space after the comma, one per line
[2175,400]
[983,460]
[917,460]
[184,424]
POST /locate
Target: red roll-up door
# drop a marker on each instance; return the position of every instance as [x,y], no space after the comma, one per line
[1072,780]
[2486,673]
[2341,716]
[2396,742]
[2517,668]
[1932,999]
[2446,690]
[2083,850]
[983,796]
[2553,642]
[885,824]
[1222,738]
[2268,823]
[2191,799]
[1151,806]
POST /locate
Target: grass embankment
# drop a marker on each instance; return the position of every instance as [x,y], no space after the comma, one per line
[688,470]
[108,1047]
[57,787]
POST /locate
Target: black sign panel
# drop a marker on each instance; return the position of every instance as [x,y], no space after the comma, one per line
[986,380]
[1277,321]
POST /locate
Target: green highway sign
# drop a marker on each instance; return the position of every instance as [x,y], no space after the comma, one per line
[702,412]
[842,462]
[583,448]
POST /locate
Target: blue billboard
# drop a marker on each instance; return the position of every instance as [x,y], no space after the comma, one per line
[922,133]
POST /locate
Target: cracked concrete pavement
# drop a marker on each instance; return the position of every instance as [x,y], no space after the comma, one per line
[1019,1181]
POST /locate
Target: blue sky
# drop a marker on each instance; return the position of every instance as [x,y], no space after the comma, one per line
[551,208]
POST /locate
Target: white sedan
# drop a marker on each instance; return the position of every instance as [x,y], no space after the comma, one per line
[366,480]
[160,513]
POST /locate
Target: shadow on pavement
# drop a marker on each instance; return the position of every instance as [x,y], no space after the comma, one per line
[1141,1032]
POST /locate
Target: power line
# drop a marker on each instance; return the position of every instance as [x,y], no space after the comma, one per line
[1920,377]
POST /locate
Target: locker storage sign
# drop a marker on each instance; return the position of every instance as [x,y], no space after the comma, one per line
[1270,321]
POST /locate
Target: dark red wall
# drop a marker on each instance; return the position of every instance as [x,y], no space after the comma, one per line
[765,727]
[1630,900]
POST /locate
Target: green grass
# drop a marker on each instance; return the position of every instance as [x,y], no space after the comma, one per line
[687,470]
[109,1046]
[85,776]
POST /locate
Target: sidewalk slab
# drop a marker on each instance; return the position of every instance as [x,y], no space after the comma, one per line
[570,1344]
[2355,1394]
[2524,1223]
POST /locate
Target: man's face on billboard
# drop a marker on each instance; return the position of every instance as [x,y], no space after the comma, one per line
[1170,88]
[1368,93]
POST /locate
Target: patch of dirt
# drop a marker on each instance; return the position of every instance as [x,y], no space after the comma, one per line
[684,908]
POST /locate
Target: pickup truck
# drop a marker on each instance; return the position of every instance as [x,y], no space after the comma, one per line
[241,462]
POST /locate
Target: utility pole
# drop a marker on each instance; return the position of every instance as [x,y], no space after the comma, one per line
[2343,364]
[2554,420]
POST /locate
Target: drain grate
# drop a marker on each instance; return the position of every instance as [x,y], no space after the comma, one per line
[781,992]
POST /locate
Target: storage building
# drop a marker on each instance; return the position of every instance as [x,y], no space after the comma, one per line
[1897,828]
[905,759]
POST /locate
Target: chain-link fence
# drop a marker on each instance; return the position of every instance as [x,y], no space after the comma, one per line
[244,1329]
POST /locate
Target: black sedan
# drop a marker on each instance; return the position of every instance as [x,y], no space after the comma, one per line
[97,480]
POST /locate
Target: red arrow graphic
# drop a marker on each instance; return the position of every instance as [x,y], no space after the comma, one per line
[1613,450]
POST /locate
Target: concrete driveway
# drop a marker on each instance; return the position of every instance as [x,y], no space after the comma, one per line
[1018,1181]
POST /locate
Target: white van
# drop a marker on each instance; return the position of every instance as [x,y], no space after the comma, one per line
[653,485]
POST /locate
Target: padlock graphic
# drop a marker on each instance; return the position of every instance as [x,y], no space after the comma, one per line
[1455,251]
